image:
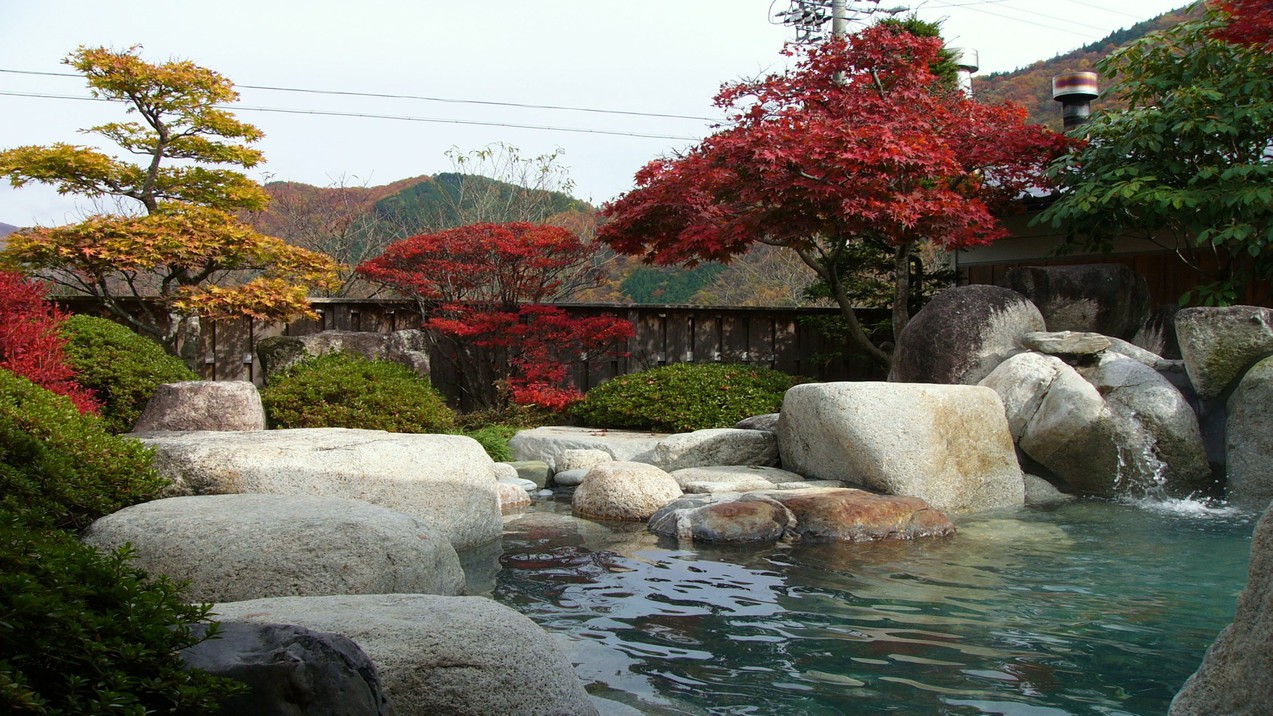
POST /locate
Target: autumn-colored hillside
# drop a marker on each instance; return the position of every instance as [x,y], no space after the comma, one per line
[1032,86]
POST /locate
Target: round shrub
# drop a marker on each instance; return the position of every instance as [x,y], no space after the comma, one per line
[84,633]
[59,468]
[343,390]
[120,366]
[685,396]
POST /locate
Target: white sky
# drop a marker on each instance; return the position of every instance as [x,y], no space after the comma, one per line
[660,56]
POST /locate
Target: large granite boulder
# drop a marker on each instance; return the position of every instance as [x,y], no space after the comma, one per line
[948,445]
[962,334]
[236,547]
[409,348]
[1236,675]
[809,515]
[1249,439]
[581,459]
[705,448]
[290,670]
[1218,344]
[1167,450]
[445,480]
[1110,299]
[547,443]
[622,490]
[440,655]
[203,405]
[1064,423]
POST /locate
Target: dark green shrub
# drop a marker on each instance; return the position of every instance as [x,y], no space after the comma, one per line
[342,390]
[84,633]
[120,366]
[494,440]
[59,468]
[684,396]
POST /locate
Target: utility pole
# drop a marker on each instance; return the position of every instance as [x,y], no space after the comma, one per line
[839,19]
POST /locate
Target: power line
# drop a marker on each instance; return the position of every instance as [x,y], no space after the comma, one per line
[358,115]
[1023,20]
[447,100]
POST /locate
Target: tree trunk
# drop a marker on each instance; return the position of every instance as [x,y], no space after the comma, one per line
[901,289]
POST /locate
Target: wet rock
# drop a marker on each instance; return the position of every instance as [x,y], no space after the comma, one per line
[848,515]
[445,480]
[203,405]
[751,517]
[1110,299]
[570,478]
[1219,344]
[1249,439]
[536,471]
[706,448]
[946,444]
[236,547]
[1236,675]
[440,655]
[1165,449]
[624,491]
[512,497]
[1041,492]
[290,670]
[962,334]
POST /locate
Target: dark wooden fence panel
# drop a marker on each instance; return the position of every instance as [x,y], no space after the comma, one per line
[781,338]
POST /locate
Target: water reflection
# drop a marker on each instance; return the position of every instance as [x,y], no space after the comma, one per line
[1085,608]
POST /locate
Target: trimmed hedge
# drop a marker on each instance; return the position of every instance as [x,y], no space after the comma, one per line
[122,367]
[343,390]
[84,633]
[683,397]
[61,469]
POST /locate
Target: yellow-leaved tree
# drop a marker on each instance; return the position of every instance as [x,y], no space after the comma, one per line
[180,247]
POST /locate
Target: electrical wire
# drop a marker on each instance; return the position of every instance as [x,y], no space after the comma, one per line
[359,115]
[348,93]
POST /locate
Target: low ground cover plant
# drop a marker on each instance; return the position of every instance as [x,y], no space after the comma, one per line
[343,390]
[684,396]
[121,367]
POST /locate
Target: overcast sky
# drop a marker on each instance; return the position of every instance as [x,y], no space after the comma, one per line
[653,56]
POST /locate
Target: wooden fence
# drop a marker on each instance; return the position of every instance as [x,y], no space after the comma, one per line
[786,339]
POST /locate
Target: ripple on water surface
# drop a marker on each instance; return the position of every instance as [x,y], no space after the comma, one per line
[1091,607]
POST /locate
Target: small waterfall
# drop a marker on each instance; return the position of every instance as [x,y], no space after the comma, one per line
[1142,479]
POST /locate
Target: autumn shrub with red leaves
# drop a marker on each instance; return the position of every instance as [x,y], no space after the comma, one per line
[30,342]
[483,291]
[1250,23]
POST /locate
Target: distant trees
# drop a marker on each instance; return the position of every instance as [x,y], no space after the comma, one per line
[182,243]
[482,291]
[1188,164]
[860,141]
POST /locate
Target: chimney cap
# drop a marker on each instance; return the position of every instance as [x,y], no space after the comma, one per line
[1075,86]
[965,58]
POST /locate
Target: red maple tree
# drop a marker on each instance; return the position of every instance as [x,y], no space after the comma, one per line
[860,140]
[30,344]
[483,291]
[1250,23]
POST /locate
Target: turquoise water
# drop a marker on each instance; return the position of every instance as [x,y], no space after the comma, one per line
[1086,608]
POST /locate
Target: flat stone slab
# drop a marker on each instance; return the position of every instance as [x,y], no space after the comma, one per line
[448,481]
[547,443]
[1066,343]
[235,547]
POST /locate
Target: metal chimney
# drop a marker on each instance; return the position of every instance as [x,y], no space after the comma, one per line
[966,60]
[1075,91]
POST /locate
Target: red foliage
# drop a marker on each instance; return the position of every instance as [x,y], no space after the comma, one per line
[1250,23]
[482,289]
[882,151]
[30,344]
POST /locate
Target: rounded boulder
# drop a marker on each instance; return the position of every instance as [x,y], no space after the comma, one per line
[236,547]
[624,491]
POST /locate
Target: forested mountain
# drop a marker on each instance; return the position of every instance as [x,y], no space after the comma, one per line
[1032,86]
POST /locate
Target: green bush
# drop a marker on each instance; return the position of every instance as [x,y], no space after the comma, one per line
[684,396]
[122,367]
[84,633]
[342,390]
[59,468]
